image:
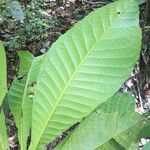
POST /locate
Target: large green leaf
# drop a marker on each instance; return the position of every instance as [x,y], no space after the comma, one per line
[21,94]
[84,68]
[114,125]
[3,76]
[3,132]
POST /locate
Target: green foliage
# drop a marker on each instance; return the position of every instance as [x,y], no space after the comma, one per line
[3,133]
[21,94]
[114,125]
[15,10]
[29,24]
[84,68]
[3,76]
[3,89]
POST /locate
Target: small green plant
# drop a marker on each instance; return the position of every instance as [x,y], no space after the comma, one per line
[27,24]
[78,78]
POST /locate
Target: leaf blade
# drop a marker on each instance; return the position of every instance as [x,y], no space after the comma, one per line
[113,125]
[3,76]
[3,132]
[78,76]
[21,93]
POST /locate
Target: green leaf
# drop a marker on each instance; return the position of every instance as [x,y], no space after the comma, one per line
[84,68]
[21,93]
[3,132]
[114,125]
[146,131]
[3,76]
[147,146]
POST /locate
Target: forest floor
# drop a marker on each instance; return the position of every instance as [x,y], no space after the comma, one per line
[36,34]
